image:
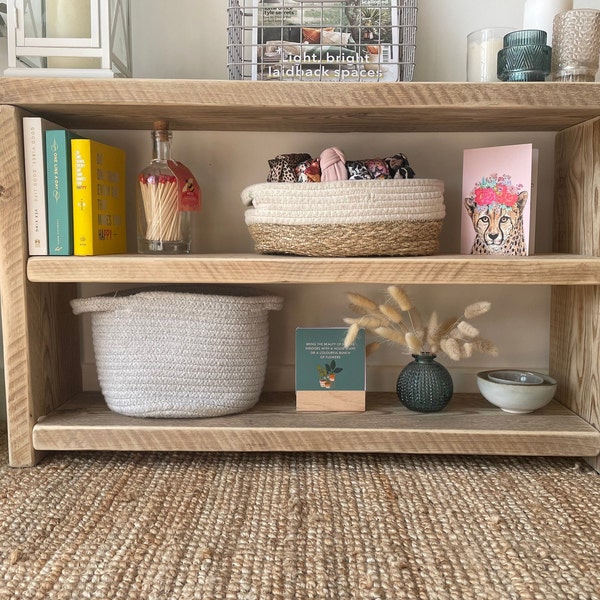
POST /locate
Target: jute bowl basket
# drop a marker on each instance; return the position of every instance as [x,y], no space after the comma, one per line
[180,352]
[386,217]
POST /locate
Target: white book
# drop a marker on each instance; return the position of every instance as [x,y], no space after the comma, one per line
[34,143]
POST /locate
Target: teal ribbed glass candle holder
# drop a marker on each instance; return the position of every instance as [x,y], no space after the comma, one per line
[525,56]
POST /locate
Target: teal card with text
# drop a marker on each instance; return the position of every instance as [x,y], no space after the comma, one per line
[322,362]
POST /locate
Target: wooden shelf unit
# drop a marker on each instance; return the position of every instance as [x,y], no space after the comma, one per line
[45,404]
[469,425]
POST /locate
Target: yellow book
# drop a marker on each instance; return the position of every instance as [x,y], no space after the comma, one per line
[98,172]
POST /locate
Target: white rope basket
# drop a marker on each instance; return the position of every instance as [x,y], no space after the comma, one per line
[389,217]
[163,353]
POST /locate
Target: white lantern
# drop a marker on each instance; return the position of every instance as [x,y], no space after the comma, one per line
[69,38]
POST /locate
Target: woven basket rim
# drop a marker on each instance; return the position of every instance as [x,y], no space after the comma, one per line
[143,297]
[330,188]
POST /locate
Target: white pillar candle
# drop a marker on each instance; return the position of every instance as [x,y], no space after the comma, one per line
[539,14]
[482,53]
[69,19]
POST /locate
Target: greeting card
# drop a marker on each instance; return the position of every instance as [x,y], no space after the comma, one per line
[499,197]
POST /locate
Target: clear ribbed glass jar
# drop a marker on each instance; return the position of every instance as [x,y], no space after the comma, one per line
[162,226]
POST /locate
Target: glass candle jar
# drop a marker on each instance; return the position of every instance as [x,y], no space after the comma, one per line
[576,46]
[482,53]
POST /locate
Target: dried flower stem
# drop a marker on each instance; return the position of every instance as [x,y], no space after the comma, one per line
[401,323]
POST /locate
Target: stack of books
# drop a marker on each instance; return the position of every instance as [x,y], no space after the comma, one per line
[75,190]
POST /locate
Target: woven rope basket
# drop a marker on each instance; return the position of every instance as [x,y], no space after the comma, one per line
[162,353]
[387,217]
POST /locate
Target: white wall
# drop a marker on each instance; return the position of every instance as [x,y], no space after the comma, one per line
[226,163]
[187,39]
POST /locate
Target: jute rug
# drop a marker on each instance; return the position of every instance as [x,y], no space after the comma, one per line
[294,526]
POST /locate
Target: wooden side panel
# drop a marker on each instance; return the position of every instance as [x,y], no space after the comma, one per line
[40,334]
[575,312]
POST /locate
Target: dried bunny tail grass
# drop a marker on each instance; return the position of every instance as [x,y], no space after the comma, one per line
[389,333]
[372,347]
[359,310]
[451,347]
[468,348]
[468,330]
[364,303]
[367,321]
[453,333]
[476,309]
[351,335]
[486,347]
[447,325]
[372,321]
[416,321]
[351,320]
[401,297]
[395,316]
[414,343]
[433,329]
[400,322]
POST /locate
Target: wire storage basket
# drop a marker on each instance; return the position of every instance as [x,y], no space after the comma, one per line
[322,40]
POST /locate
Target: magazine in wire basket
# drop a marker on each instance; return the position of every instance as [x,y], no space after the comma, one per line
[322,40]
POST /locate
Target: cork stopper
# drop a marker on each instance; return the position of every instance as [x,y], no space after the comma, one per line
[162,124]
[161,128]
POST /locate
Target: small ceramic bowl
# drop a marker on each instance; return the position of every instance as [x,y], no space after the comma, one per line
[517,377]
[514,397]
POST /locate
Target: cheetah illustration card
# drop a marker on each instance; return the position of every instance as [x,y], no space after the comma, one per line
[498,200]
[329,377]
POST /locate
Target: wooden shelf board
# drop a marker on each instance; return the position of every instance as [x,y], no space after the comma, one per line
[283,106]
[254,268]
[468,425]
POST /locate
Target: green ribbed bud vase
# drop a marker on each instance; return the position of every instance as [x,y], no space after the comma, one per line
[424,385]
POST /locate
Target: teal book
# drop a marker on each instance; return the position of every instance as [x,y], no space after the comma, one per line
[59,195]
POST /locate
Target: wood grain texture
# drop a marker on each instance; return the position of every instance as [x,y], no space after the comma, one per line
[41,341]
[331,400]
[253,268]
[279,106]
[468,425]
[21,413]
[575,312]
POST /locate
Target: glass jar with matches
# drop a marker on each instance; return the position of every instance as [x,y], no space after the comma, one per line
[167,196]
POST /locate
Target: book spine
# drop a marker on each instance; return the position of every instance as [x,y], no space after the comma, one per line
[99,207]
[83,213]
[60,202]
[110,233]
[35,182]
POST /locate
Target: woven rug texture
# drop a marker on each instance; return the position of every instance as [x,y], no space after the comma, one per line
[154,526]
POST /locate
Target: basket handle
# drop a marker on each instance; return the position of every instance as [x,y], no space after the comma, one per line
[96,304]
[272,303]
[111,303]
